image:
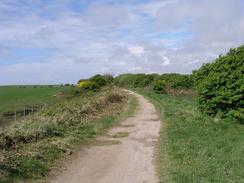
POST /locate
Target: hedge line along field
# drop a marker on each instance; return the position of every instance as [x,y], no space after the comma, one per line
[15,97]
[32,146]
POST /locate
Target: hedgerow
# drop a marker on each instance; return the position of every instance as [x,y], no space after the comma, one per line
[176,81]
[135,80]
[94,83]
[158,83]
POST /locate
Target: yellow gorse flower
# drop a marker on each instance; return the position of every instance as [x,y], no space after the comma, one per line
[81,84]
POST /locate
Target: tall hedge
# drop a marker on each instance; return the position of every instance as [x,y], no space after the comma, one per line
[220,85]
[135,80]
[176,81]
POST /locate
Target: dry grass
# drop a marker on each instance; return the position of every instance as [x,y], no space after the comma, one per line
[31,147]
[182,93]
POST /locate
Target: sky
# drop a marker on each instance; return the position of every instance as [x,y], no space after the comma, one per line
[61,41]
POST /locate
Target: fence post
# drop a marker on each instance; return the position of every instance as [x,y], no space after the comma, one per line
[15,116]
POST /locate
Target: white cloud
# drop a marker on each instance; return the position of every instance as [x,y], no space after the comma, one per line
[136,50]
[166,61]
[108,36]
[107,15]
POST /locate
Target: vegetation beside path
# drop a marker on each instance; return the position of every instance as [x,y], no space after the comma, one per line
[194,147]
[33,145]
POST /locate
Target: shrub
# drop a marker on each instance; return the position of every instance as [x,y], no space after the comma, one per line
[177,81]
[220,85]
[115,97]
[135,80]
[89,86]
[159,86]
[94,83]
[81,83]
[99,80]
[108,78]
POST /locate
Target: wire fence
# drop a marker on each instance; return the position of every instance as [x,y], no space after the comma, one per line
[8,117]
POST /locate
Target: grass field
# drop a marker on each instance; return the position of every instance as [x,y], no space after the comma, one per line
[195,147]
[15,97]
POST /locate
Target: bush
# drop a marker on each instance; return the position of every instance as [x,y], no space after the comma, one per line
[159,86]
[114,97]
[108,78]
[94,83]
[99,80]
[220,85]
[177,81]
[89,86]
[135,80]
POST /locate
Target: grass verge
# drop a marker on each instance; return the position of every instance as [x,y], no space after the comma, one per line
[194,147]
[30,148]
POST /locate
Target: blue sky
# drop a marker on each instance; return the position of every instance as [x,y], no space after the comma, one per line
[58,41]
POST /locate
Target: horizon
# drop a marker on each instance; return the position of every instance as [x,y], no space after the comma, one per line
[61,41]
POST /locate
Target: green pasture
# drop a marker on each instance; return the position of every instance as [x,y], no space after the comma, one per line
[17,97]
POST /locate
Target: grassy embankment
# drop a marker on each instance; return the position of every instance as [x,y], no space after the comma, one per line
[30,148]
[194,147]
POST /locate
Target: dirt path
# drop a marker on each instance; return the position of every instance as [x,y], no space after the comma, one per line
[124,155]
